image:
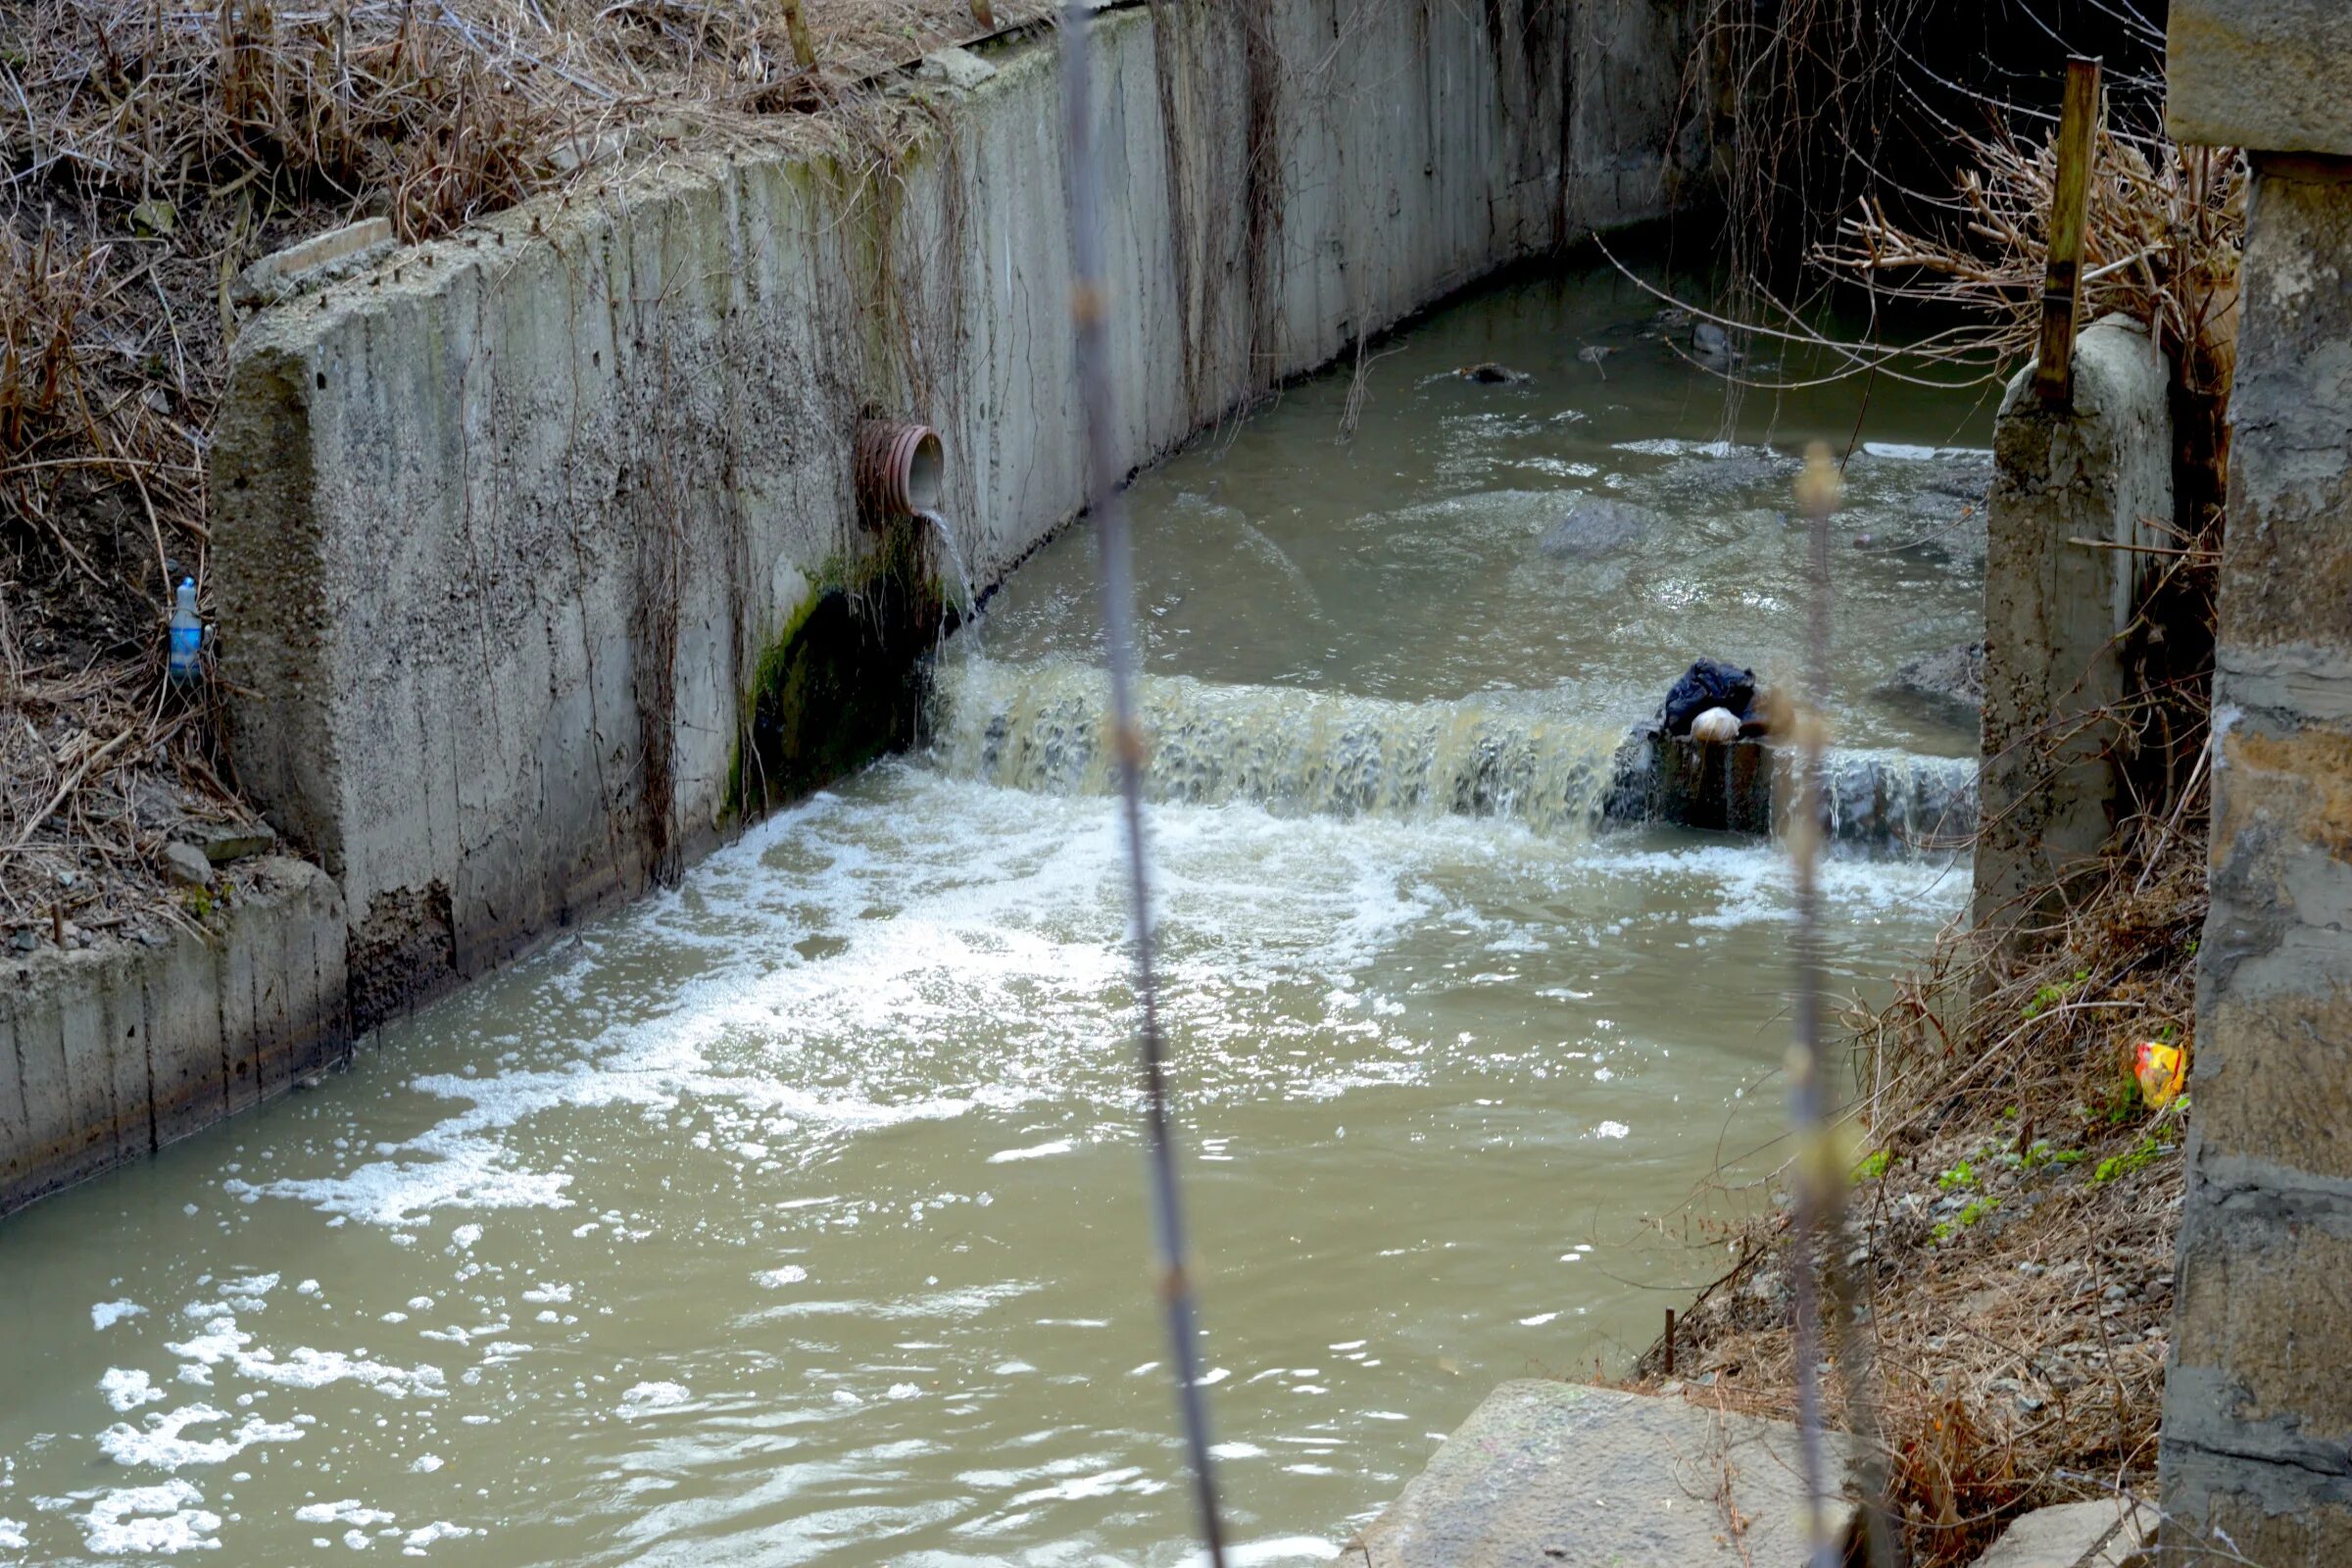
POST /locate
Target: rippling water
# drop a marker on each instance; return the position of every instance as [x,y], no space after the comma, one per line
[794,1215]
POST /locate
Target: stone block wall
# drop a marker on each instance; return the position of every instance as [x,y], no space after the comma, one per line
[2256,1444]
[2258,1405]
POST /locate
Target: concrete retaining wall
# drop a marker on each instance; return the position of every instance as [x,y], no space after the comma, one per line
[111,1053]
[508,523]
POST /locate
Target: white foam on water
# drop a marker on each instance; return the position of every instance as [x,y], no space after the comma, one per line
[162,1446]
[105,1315]
[128,1388]
[223,1342]
[774,1278]
[1907,451]
[1272,1550]
[151,1521]
[1736,885]
[643,1397]
[1006,935]
[1006,1156]
[11,1535]
[350,1510]
[415,1543]
[1667,446]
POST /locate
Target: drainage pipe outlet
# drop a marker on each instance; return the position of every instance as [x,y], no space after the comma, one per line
[899,469]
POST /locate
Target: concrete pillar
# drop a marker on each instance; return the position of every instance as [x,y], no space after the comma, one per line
[2054,605]
[2257,1443]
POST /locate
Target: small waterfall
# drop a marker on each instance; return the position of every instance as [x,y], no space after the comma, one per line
[969,608]
[1041,728]
[1897,797]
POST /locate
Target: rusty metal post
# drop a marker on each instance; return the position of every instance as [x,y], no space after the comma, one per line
[795,24]
[1670,1342]
[2070,222]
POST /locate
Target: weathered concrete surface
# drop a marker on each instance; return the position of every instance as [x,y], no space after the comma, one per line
[112,1051]
[507,525]
[2054,607]
[2258,1403]
[2268,74]
[1562,1474]
[2107,1532]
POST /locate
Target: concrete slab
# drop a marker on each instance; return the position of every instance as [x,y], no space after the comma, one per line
[2106,1533]
[1564,1476]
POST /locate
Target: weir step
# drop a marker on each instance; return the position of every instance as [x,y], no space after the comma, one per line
[1562,1474]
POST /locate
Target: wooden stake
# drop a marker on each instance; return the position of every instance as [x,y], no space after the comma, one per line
[984,14]
[1670,1342]
[803,48]
[2070,219]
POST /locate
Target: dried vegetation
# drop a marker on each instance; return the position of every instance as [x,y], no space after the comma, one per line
[151,152]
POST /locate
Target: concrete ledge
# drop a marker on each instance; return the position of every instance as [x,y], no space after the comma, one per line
[1566,1476]
[110,1052]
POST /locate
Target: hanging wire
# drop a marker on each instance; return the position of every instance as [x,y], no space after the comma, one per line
[1088,311]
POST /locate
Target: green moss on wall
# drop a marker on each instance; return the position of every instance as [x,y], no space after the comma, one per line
[841,685]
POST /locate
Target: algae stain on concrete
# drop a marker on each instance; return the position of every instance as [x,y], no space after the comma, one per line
[843,684]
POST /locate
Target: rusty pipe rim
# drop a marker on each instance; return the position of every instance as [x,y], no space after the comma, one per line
[899,468]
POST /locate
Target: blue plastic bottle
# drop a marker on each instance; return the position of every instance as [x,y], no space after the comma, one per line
[188,634]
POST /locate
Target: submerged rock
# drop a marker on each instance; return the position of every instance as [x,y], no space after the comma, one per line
[1926,503]
[1713,344]
[1491,374]
[1947,684]
[1597,525]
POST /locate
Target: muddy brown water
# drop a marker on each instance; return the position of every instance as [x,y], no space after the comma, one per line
[794,1215]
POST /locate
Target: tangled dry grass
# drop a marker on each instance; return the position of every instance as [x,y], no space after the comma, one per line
[2166,225]
[150,152]
[2010,1229]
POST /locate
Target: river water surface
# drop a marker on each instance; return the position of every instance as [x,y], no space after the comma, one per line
[794,1215]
